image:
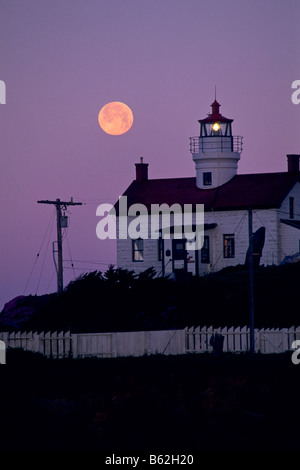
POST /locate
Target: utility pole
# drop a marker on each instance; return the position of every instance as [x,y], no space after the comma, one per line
[59,205]
[251,279]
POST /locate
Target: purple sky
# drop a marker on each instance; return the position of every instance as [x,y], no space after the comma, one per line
[62,60]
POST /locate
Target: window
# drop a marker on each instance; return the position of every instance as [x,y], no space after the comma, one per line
[138,250]
[207,178]
[291,204]
[228,246]
[160,249]
[205,250]
[179,247]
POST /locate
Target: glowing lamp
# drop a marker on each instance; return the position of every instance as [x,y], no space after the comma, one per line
[215,125]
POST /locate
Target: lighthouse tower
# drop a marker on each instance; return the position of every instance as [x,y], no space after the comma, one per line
[215,152]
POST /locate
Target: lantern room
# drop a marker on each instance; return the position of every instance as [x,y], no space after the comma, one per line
[215,124]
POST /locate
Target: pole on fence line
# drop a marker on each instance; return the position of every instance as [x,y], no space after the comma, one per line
[251,281]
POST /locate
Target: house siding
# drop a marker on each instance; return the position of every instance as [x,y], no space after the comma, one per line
[280,239]
[236,222]
[124,254]
[289,236]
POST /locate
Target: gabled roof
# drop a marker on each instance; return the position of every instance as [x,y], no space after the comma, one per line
[261,190]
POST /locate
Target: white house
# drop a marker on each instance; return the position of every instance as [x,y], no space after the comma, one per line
[227,196]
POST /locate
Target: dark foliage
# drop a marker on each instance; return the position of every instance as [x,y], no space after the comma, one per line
[115,300]
[120,300]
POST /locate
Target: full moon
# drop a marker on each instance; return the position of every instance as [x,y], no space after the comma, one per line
[115,118]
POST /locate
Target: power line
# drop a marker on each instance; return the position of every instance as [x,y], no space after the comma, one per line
[96,202]
[277,211]
[38,254]
[51,278]
[72,265]
[89,262]
[77,269]
[43,264]
[276,240]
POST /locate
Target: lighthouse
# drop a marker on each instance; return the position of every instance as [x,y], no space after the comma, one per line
[216,151]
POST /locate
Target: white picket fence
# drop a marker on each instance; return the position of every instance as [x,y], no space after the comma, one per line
[51,344]
[266,341]
[139,343]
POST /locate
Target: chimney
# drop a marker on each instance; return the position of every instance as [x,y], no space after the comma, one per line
[141,170]
[293,163]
